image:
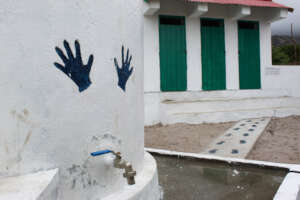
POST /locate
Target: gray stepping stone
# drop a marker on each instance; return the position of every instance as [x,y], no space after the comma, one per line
[235,151]
[213,151]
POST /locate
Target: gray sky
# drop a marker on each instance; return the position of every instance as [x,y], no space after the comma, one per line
[284,26]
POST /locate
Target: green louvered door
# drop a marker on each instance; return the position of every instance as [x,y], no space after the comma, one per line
[249,55]
[172,46]
[213,54]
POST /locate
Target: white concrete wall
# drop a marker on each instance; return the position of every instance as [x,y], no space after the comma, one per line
[283,77]
[45,122]
[193,38]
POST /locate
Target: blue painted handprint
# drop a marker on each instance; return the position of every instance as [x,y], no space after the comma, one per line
[125,71]
[74,67]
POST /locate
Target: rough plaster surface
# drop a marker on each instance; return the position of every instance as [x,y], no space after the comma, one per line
[46,122]
[37,186]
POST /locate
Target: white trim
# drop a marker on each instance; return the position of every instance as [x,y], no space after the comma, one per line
[278,14]
[290,188]
[290,167]
[239,12]
[199,10]
[152,7]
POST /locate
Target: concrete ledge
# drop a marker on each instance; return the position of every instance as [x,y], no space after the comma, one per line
[217,95]
[290,188]
[146,187]
[37,186]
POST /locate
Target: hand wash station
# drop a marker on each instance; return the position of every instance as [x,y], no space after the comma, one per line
[71,83]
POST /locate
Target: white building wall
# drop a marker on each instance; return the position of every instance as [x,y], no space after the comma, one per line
[232,59]
[45,121]
[154,109]
[193,40]
[194,62]
[151,52]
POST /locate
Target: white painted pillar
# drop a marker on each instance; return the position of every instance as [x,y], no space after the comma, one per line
[194,69]
[151,54]
[265,49]
[232,56]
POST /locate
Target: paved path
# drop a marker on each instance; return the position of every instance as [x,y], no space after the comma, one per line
[238,141]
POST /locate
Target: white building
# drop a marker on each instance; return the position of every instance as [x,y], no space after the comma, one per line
[210,61]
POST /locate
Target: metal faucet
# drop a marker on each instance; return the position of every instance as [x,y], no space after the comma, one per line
[123,164]
[120,164]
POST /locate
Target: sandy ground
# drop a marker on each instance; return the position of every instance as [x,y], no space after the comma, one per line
[183,137]
[280,142]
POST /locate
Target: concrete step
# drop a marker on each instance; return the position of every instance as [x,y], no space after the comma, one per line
[221,95]
[212,111]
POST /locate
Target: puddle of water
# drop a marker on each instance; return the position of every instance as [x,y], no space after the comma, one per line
[191,179]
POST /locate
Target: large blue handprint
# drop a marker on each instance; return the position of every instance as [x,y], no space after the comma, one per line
[74,67]
[125,71]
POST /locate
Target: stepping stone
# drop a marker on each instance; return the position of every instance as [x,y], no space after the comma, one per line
[235,151]
[238,141]
[213,151]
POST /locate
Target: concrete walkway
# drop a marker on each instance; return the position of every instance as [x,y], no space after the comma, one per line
[238,141]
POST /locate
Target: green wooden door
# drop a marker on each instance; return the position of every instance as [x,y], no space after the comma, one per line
[172,46]
[213,54]
[249,55]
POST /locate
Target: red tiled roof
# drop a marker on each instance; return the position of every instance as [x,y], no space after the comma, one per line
[255,3]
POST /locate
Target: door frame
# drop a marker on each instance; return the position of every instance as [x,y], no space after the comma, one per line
[259,53]
[225,66]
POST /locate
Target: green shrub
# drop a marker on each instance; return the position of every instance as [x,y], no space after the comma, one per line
[279,57]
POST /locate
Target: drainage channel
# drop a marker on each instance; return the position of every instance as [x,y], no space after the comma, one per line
[193,179]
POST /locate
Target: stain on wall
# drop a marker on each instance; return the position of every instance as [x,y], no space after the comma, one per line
[74,67]
[125,71]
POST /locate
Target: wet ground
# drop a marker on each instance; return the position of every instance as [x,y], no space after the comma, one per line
[192,179]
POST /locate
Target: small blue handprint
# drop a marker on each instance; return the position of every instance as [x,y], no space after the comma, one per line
[125,71]
[74,67]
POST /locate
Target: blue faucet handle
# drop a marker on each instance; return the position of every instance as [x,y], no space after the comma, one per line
[99,153]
